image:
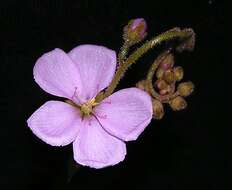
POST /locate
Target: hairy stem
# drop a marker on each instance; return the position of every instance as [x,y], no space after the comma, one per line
[171,34]
[151,73]
[123,52]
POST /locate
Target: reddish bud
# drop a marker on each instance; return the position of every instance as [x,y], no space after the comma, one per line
[168,62]
[161,84]
[135,31]
[166,90]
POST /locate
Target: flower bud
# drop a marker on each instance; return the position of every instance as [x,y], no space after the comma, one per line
[163,92]
[167,63]
[185,88]
[161,84]
[135,31]
[166,90]
[158,110]
[169,76]
[142,85]
[179,73]
[178,103]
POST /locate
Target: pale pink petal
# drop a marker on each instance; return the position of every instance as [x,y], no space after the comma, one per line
[57,74]
[126,113]
[95,148]
[96,66]
[56,123]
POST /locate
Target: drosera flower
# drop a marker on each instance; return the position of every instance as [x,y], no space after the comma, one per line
[98,130]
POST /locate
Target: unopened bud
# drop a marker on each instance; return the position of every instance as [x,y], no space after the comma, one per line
[169,76]
[178,103]
[142,85]
[135,31]
[161,84]
[158,110]
[163,92]
[166,90]
[168,62]
[185,88]
[179,73]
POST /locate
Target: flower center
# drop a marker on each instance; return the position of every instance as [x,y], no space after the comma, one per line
[87,108]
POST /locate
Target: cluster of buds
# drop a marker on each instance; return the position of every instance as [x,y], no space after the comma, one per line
[164,90]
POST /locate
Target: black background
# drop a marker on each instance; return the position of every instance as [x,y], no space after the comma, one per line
[186,150]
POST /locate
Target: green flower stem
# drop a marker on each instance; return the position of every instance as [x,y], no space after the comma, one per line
[123,52]
[137,54]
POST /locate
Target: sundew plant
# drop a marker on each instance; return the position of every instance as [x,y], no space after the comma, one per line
[93,117]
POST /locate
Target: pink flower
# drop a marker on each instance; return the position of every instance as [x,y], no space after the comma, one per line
[98,131]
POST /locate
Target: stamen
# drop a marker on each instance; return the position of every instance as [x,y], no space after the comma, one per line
[74,94]
[75,98]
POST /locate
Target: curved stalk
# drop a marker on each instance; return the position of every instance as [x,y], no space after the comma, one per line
[171,34]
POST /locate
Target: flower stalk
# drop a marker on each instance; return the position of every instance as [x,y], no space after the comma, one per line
[169,35]
[123,52]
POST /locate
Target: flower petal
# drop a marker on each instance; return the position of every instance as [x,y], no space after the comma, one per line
[56,123]
[126,113]
[57,74]
[96,66]
[95,148]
